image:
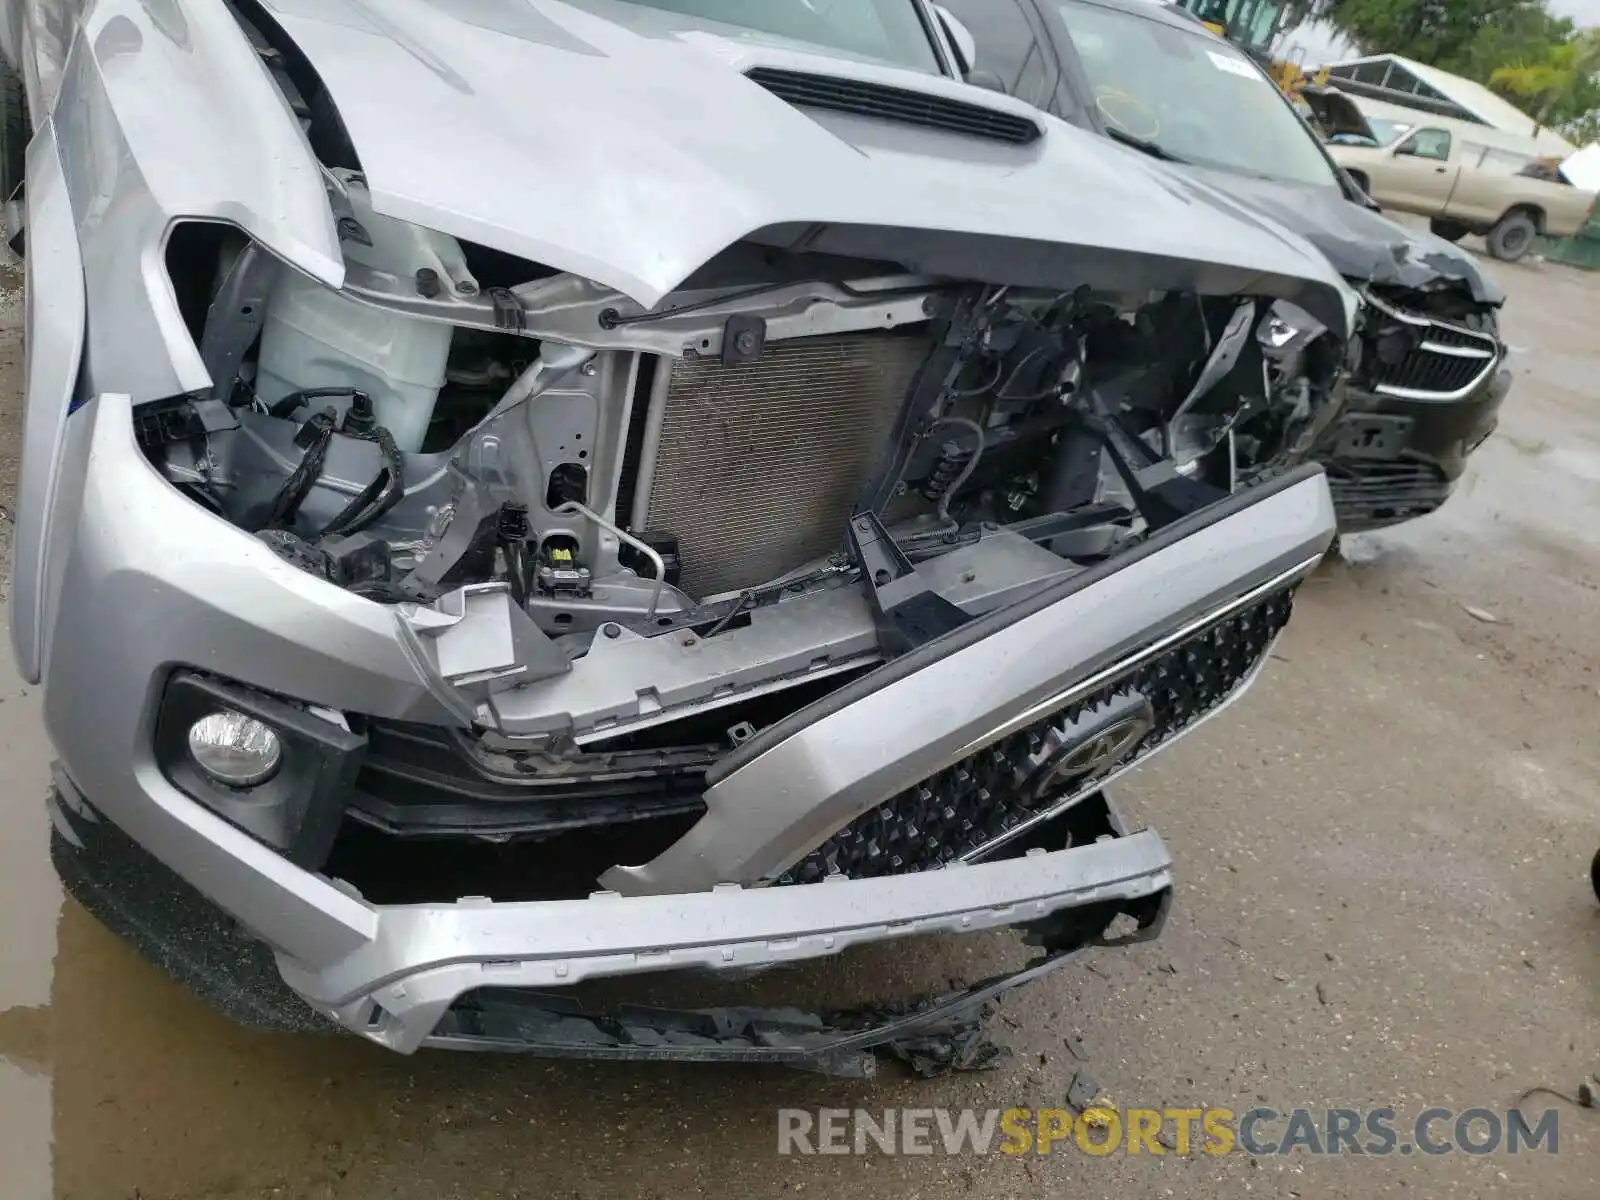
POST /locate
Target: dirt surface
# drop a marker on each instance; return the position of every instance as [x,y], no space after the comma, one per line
[1383,902]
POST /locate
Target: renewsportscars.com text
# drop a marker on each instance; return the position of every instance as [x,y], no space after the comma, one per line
[1259,1132]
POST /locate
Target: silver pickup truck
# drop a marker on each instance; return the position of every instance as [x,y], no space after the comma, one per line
[516,495]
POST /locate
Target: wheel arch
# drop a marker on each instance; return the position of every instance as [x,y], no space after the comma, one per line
[166,114]
[1525,206]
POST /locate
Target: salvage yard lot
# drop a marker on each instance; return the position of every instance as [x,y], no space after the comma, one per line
[1383,901]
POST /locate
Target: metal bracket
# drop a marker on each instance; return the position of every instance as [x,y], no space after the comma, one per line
[471,534]
[1161,493]
[1224,356]
[482,641]
[744,337]
[236,316]
[508,310]
[905,609]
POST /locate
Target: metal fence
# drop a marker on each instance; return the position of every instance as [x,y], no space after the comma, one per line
[1582,249]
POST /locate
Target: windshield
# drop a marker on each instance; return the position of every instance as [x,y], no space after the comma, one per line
[890,31]
[1383,132]
[1192,96]
[1386,131]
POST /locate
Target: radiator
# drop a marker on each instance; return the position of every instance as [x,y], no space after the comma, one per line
[758,466]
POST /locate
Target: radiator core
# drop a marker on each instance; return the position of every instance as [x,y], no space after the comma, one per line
[758,465]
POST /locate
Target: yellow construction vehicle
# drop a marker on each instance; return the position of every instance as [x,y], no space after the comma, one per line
[1249,24]
[1252,25]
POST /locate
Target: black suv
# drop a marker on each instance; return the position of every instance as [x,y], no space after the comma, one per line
[1431,376]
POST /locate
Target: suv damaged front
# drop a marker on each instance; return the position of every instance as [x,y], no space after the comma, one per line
[725,568]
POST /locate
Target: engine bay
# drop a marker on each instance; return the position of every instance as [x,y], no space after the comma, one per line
[595,520]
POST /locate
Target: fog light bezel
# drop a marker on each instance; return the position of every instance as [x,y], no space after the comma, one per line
[297,809]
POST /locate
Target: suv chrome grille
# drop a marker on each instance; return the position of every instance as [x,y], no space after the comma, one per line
[1446,362]
[990,797]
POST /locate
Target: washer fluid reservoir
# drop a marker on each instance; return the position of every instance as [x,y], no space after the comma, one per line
[314,337]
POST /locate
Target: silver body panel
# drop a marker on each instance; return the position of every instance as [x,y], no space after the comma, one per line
[638,150]
[54,340]
[345,955]
[764,814]
[636,154]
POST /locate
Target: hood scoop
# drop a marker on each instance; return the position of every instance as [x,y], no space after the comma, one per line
[865,99]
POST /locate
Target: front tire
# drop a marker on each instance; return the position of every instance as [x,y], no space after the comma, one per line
[1512,237]
[1594,875]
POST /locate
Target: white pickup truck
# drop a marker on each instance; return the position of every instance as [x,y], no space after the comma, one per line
[1462,186]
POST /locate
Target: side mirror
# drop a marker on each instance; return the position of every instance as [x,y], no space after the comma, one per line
[961,39]
[1356,193]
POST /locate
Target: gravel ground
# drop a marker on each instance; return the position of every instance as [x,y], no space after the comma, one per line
[1383,902]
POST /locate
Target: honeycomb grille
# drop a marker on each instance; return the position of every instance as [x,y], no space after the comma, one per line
[760,464]
[989,794]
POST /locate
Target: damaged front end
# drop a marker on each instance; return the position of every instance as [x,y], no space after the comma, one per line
[709,576]
[751,609]
[621,543]
[1425,393]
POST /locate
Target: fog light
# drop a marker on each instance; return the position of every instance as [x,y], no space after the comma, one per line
[234,749]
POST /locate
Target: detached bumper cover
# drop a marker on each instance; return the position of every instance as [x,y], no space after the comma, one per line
[469,975]
[797,783]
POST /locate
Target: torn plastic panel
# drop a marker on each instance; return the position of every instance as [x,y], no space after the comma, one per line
[173,924]
[934,1037]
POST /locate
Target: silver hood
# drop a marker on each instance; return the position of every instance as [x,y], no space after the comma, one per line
[625,144]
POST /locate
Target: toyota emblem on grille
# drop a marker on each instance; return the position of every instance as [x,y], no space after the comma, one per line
[1082,751]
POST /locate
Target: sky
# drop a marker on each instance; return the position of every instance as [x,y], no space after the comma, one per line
[1322,44]
[1583,12]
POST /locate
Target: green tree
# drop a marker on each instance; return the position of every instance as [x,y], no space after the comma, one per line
[1469,37]
[1557,84]
[1521,32]
[1439,32]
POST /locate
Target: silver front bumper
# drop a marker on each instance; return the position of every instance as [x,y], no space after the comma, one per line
[191,590]
[395,989]
[799,782]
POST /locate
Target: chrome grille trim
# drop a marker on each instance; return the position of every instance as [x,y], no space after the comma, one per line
[1443,366]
